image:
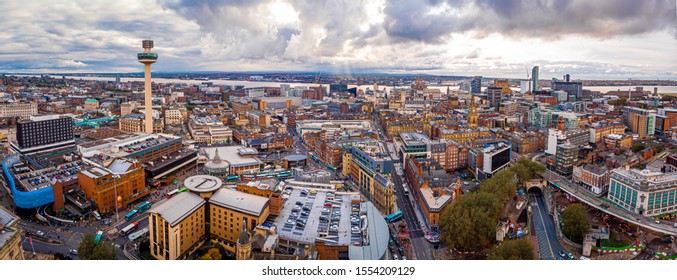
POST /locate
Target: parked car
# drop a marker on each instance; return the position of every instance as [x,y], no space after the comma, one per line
[73,251]
[40,233]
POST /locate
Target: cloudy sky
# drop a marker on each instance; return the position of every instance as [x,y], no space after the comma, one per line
[615,39]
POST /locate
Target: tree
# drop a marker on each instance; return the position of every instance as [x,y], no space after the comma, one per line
[513,249]
[59,256]
[470,222]
[575,223]
[89,250]
[638,147]
[212,254]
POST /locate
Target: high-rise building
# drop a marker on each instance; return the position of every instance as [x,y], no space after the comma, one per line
[565,158]
[493,94]
[641,121]
[476,85]
[534,79]
[42,133]
[147,58]
[574,89]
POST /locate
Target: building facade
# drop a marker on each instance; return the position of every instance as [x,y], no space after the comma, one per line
[121,183]
[177,226]
[644,192]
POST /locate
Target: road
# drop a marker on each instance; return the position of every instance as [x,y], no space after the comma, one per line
[422,248]
[621,213]
[548,244]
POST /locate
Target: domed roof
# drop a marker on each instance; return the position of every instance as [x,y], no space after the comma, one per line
[216,162]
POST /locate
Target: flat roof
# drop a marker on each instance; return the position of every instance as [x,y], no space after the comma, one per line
[434,203]
[296,157]
[123,145]
[177,208]
[233,155]
[239,201]
[45,177]
[202,183]
[314,227]
[377,237]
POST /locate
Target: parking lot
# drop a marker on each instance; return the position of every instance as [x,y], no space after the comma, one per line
[309,214]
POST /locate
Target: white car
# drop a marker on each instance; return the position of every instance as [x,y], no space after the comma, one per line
[40,233]
[73,251]
[290,222]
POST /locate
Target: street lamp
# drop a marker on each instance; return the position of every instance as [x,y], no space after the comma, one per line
[115,189]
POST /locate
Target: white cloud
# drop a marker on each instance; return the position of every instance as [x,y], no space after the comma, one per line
[454,37]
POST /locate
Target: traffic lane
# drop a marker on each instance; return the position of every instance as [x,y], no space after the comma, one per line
[549,227]
[544,247]
[44,248]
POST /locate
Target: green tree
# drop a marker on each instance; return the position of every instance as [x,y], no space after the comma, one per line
[89,250]
[470,222]
[59,256]
[513,249]
[212,254]
[638,147]
[575,223]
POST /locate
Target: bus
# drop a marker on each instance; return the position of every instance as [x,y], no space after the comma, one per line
[135,235]
[143,207]
[394,217]
[247,178]
[129,228]
[315,158]
[131,214]
[331,168]
[172,193]
[262,175]
[232,178]
[98,237]
[182,189]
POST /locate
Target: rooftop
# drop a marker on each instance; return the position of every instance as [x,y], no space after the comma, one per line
[434,203]
[46,177]
[414,139]
[177,208]
[202,183]
[234,155]
[314,228]
[124,145]
[239,201]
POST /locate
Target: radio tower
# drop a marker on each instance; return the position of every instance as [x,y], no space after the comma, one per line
[147,58]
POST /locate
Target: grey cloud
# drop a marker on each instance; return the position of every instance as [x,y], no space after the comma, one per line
[406,20]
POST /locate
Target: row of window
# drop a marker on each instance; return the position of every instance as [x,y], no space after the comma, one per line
[623,193]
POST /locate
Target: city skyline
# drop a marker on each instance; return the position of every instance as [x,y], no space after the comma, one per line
[621,39]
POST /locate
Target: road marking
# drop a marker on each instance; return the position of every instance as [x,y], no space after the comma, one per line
[545,232]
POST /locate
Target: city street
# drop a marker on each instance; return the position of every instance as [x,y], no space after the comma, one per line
[422,248]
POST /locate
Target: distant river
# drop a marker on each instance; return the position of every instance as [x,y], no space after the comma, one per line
[249,84]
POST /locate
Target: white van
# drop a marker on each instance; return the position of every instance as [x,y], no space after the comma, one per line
[96,215]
